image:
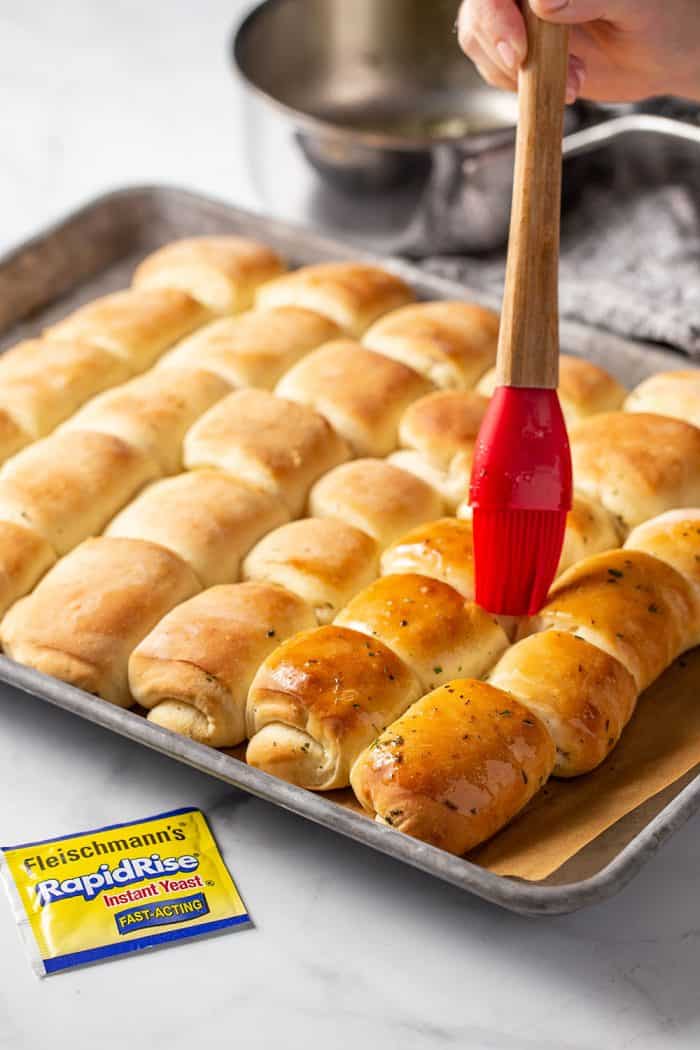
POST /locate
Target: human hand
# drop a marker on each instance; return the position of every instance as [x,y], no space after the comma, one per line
[620,50]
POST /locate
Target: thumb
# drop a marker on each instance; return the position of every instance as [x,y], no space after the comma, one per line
[572,12]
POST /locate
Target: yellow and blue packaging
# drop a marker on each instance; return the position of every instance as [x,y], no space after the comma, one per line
[91,896]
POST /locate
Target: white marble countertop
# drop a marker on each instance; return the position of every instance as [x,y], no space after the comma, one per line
[348,948]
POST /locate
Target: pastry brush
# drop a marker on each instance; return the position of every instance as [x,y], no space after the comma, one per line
[521,485]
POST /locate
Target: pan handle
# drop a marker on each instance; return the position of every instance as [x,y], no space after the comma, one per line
[598,135]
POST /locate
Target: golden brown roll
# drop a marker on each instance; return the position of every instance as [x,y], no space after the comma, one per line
[43,382]
[628,603]
[584,389]
[437,436]
[352,294]
[223,273]
[456,767]
[450,343]
[674,538]
[24,558]
[323,560]
[194,669]
[318,700]
[637,465]
[68,485]
[443,550]
[255,348]
[371,494]
[362,394]
[272,444]
[675,394]
[154,411]
[209,519]
[13,436]
[92,609]
[136,325]
[436,632]
[583,695]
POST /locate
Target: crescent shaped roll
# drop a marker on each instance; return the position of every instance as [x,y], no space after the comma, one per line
[443,550]
[371,494]
[137,325]
[674,538]
[675,394]
[636,464]
[154,411]
[42,382]
[323,560]
[92,609]
[450,343]
[456,767]
[255,348]
[583,695]
[351,294]
[68,485]
[629,604]
[13,436]
[209,519]
[272,444]
[223,273]
[318,700]
[194,670]
[435,631]
[585,389]
[24,558]
[362,394]
[437,435]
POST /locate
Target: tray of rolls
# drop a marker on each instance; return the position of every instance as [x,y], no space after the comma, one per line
[233,465]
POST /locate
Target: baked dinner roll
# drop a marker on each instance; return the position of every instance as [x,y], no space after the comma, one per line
[584,388]
[194,669]
[675,394]
[674,538]
[136,325]
[208,518]
[92,609]
[255,348]
[456,767]
[437,435]
[382,500]
[42,382]
[637,465]
[68,485]
[24,558]
[272,444]
[154,411]
[352,294]
[629,604]
[583,695]
[443,550]
[318,700]
[323,560]
[436,632]
[590,529]
[13,436]
[450,343]
[362,394]
[223,273]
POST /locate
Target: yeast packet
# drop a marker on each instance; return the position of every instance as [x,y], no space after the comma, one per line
[86,897]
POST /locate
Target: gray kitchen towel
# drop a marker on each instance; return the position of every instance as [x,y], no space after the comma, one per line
[630,250]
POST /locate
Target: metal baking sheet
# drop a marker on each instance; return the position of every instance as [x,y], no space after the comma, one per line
[93,251]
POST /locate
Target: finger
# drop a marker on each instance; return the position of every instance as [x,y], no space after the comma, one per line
[496,26]
[576,79]
[572,12]
[490,72]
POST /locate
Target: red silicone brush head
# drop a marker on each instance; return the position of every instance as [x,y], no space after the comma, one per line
[521,491]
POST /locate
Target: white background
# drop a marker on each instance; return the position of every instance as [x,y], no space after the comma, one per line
[349,948]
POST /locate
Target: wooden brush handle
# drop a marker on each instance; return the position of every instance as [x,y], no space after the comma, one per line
[528,351]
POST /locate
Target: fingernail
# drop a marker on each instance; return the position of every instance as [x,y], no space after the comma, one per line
[574,83]
[550,7]
[507,54]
